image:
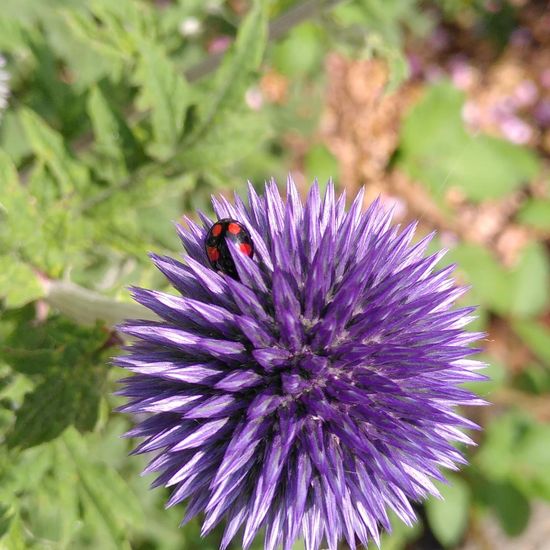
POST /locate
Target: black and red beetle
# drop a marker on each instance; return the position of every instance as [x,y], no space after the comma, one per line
[217,250]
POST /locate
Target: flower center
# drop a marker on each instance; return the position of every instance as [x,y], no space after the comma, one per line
[307,371]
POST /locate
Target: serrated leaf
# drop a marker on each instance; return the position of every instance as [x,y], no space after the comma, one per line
[8,178]
[436,149]
[20,232]
[14,538]
[379,25]
[223,144]
[66,494]
[115,145]
[87,30]
[19,284]
[65,397]
[166,92]
[13,140]
[26,473]
[232,78]
[72,379]
[104,493]
[6,515]
[49,147]
[105,125]
[448,518]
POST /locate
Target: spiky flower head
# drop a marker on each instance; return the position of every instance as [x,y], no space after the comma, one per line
[315,391]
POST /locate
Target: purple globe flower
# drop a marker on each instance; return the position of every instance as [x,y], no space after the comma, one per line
[315,392]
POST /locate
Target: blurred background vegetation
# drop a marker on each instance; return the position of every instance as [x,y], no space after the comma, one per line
[116,119]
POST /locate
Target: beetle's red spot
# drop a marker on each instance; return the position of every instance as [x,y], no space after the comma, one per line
[245,249]
[217,229]
[213,253]
[234,228]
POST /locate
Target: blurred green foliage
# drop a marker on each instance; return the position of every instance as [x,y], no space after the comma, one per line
[109,137]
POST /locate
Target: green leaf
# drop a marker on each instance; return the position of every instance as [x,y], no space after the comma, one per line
[516,452]
[378,28]
[489,168]
[114,30]
[65,397]
[510,506]
[49,147]
[483,272]
[231,81]
[301,52]
[436,149]
[448,518]
[534,379]
[522,291]
[530,282]
[497,374]
[503,437]
[227,130]
[536,336]
[320,163]
[13,140]
[226,142]
[24,474]
[106,126]
[19,284]
[6,517]
[14,538]
[115,145]
[166,92]
[535,213]
[9,180]
[86,31]
[20,230]
[73,376]
[107,498]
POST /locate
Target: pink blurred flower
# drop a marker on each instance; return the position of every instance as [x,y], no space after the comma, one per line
[516,130]
[434,73]
[462,73]
[471,114]
[525,94]
[254,98]
[219,44]
[542,113]
[415,66]
[521,37]
[545,78]
[439,39]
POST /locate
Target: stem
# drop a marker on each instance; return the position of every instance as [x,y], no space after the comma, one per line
[86,306]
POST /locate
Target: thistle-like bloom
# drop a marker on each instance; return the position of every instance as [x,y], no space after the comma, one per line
[315,392]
